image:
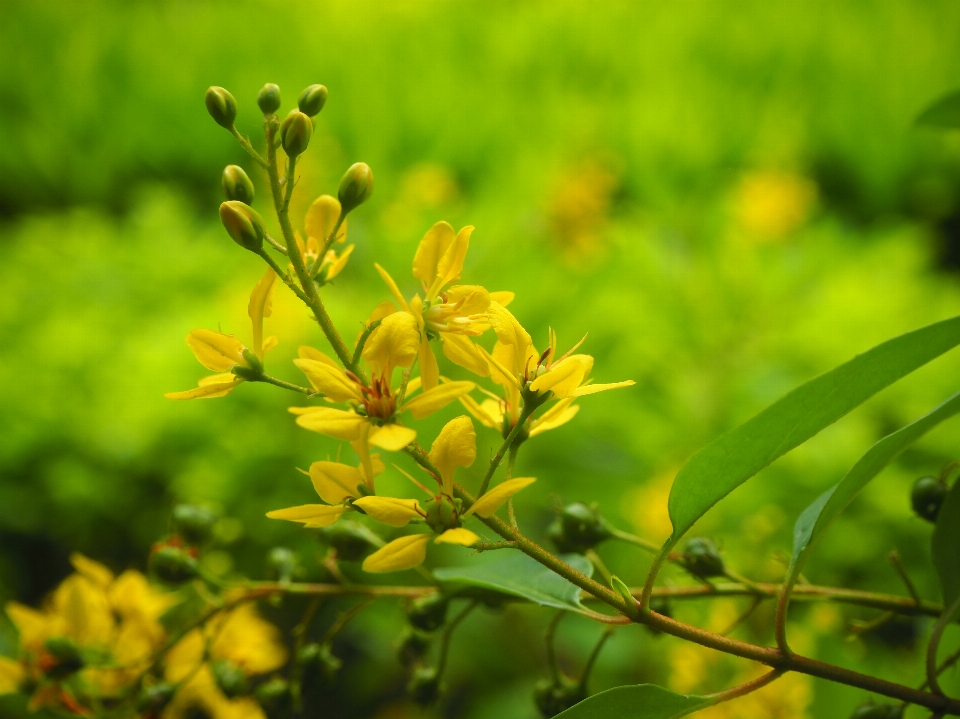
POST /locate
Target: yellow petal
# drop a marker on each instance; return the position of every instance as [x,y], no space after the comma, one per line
[429,401]
[559,414]
[339,262]
[311,353]
[455,446]
[322,217]
[461,351]
[332,422]
[334,481]
[594,388]
[392,437]
[502,297]
[458,536]
[303,410]
[269,343]
[402,553]
[260,306]
[94,571]
[480,413]
[216,351]
[11,674]
[511,333]
[311,515]
[475,299]
[500,369]
[429,370]
[451,264]
[394,343]
[390,510]
[33,626]
[330,380]
[490,502]
[207,390]
[565,376]
[431,249]
[413,385]
[392,286]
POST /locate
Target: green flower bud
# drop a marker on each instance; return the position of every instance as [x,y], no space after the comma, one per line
[67,655]
[193,523]
[428,613]
[926,497]
[295,133]
[318,660]
[236,184]
[442,513]
[356,186]
[275,698]
[154,698]
[578,528]
[870,710]
[633,610]
[414,645]
[312,100]
[243,224]
[172,565]
[424,685]
[702,558]
[256,364]
[553,697]
[283,563]
[230,678]
[351,541]
[221,105]
[268,99]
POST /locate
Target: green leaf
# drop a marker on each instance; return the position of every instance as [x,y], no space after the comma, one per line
[496,578]
[815,519]
[726,463]
[945,112]
[946,545]
[640,701]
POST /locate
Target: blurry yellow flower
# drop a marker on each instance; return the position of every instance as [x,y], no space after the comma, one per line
[423,187]
[11,674]
[578,208]
[451,316]
[320,222]
[222,353]
[771,205]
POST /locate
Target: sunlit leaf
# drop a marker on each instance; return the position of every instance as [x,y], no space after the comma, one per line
[639,701]
[946,545]
[726,463]
[945,112]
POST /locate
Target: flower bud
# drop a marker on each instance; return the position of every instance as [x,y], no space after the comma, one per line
[318,661]
[66,656]
[221,105]
[424,685]
[414,645]
[172,565]
[236,184]
[356,186]
[229,678]
[702,558]
[633,611]
[429,612]
[871,710]
[442,513]
[268,99]
[243,224]
[255,363]
[578,528]
[295,133]
[283,563]
[351,541]
[553,697]
[275,698]
[193,523]
[926,497]
[154,698]
[312,100]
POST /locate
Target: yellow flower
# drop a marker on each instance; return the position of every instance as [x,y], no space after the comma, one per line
[320,222]
[517,367]
[453,315]
[11,674]
[222,353]
[374,409]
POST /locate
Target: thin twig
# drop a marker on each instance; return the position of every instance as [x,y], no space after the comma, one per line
[897,563]
[448,634]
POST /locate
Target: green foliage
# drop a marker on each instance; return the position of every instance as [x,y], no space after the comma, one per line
[945,112]
[945,544]
[642,701]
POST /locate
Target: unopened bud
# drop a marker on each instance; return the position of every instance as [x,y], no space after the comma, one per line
[236,184]
[312,100]
[283,563]
[250,357]
[154,698]
[274,697]
[66,655]
[229,678]
[221,105]
[578,528]
[356,186]
[268,99]
[872,710]
[555,696]
[442,513]
[428,613]
[702,558]
[414,645]
[926,497]
[351,541]
[632,610]
[193,523]
[295,133]
[172,565]
[318,661]
[424,685]
[243,224]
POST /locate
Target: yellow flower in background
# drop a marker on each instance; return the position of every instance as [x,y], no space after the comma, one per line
[577,212]
[239,636]
[516,366]
[771,205]
[374,409]
[320,221]
[451,316]
[221,353]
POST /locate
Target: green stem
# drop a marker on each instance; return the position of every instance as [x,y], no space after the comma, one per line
[245,144]
[633,539]
[935,636]
[274,244]
[504,448]
[588,668]
[746,688]
[361,343]
[448,634]
[284,277]
[289,182]
[287,385]
[897,563]
[549,636]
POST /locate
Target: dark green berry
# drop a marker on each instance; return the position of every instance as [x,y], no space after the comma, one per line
[871,710]
[424,685]
[172,565]
[268,99]
[428,613]
[926,497]
[702,558]
[229,678]
[194,523]
[553,697]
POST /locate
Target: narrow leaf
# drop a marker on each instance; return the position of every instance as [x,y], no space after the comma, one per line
[726,463]
[946,545]
[515,576]
[945,112]
[813,523]
[639,701]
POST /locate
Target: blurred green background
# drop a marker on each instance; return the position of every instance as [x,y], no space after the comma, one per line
[730,197]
